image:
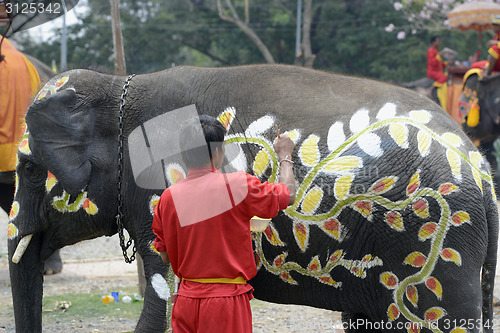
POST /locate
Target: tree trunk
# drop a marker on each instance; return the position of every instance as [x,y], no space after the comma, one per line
[120,68]
[306,57]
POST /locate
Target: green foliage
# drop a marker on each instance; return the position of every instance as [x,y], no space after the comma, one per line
[348,36]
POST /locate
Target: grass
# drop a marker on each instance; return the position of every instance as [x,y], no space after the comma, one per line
[70,307]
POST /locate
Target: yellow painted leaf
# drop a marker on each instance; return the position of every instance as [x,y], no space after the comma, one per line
[415,259]
[50,182]
[153,248]
[261,163]
[389,280]
[452,139]
[333,228]
[176,175]
[294,135]
[343,163]
[301,232]
[342,186]
[42,94]
[421,116]
[427,231]
[393,312]
[14,210]
[434,314]
[458,330]
[11,231]
[363,207]
[24,146]
[309,152]
[435,286]
[61,82]
[394,220]
[16,186]
[475,158]
[272,236]
[424,143]
[315,264]
[399,133]
[477,179]
[451,255]
[279,260]
[358,271]
[414,183]
[383,185]
[460,217]
[227,117]
[312,200]
[421,208]
[447,188]
[90,207]
[336,256]
[285,276]
[412,294]
[454,161]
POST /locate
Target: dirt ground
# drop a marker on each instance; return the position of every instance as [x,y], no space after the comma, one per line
[107,269]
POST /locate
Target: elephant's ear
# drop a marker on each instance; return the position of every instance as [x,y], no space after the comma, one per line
[60,135]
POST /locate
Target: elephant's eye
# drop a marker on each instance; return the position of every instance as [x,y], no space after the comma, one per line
[32,171]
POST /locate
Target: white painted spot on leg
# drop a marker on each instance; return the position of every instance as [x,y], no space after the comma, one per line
[160,286]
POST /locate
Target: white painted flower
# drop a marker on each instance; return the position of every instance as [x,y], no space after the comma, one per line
[359,121]
[336,136]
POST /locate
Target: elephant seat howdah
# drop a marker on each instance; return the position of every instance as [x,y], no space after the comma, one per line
[395,222]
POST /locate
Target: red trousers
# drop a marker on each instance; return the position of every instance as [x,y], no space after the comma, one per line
[212,315]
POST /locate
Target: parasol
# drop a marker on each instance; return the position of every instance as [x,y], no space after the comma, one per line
[473,16]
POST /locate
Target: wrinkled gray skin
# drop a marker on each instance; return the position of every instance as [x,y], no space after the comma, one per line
[74,134]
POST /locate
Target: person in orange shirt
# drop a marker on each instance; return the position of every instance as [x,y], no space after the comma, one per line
[435,70]
[495,26]
[202,228]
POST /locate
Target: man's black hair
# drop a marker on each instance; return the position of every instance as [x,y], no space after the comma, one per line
[213,132]
[433,38]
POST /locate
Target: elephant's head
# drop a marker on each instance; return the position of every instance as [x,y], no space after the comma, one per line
[56,202]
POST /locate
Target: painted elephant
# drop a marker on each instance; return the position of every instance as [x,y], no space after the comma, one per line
[395,220]
[15,63]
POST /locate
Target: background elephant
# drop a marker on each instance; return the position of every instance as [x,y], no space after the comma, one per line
[395,218]
[16,63]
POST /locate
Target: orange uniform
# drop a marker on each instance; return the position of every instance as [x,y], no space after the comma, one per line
[435,66]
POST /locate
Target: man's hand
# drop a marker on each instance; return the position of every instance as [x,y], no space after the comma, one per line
[283,146]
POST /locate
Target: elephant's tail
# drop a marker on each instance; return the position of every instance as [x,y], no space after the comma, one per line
[490,263]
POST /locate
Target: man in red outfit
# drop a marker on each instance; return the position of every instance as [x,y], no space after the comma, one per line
[435,67]
[202,226]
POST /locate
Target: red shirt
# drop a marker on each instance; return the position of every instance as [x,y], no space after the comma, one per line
[203,223]
[435,66]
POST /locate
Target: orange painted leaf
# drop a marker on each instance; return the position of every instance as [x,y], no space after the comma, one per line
[447,188]
[279,260]
[459,218]
[383,185]
[332,227]
[328,280]
[336,256]
[427,231]
[393,312]
[394,220]
[389,280]
[50,182]
[414,328]
[412,294]
[315,264]
[434,314]
[258,262]
[414,184]
[301,232]
[363,207]
[11,231]
[272,236]
[421,208]
[285,276]
[435,286]
[415,259]
[451,255]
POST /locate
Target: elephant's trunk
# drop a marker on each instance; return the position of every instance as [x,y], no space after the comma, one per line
[26,278]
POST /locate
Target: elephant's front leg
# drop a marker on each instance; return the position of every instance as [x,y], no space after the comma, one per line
[157,295]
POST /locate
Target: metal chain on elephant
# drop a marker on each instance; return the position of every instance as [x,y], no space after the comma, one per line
[119,216]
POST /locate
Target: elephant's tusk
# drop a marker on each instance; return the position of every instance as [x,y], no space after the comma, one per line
[21,248]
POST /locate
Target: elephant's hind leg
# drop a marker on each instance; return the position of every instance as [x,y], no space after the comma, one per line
[358,322]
